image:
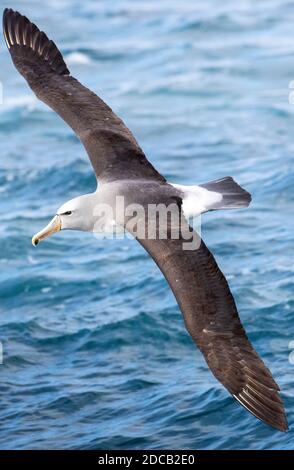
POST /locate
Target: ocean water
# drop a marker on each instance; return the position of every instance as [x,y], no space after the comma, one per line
[95,352]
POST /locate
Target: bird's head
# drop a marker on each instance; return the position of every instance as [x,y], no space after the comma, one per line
[73,215]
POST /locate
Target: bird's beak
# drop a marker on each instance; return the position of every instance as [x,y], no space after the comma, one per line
[53,227]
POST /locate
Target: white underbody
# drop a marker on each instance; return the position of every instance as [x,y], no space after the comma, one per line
[100,204]
[197,199]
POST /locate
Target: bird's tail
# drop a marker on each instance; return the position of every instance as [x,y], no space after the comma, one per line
[233,196]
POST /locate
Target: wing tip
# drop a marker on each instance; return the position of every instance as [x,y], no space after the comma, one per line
[19,32]
[276,419]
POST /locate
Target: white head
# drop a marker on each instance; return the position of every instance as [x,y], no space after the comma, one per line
[76,214]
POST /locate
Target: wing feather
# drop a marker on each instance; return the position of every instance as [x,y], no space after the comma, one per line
[212,320]
[113,150]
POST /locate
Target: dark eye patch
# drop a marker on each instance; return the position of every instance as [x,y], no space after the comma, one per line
[67,213]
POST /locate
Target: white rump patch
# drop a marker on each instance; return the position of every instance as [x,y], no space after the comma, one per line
[197,200]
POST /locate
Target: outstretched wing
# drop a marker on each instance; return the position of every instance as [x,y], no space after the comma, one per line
[212,320]
[112,148]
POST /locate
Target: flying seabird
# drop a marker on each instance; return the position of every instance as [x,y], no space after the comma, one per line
[123,170]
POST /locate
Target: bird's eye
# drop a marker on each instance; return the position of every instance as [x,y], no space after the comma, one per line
[67,213]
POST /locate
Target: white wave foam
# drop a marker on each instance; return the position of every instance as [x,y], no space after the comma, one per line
[77,58]
[45,290]
[28,102]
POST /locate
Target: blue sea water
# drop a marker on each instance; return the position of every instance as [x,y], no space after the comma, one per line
[95,352]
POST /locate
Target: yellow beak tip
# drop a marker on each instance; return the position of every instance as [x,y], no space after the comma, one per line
[53,227]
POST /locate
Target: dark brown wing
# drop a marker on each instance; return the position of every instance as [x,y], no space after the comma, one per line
[212,320]
[112,148]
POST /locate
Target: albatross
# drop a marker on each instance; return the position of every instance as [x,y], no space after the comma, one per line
[122,170]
